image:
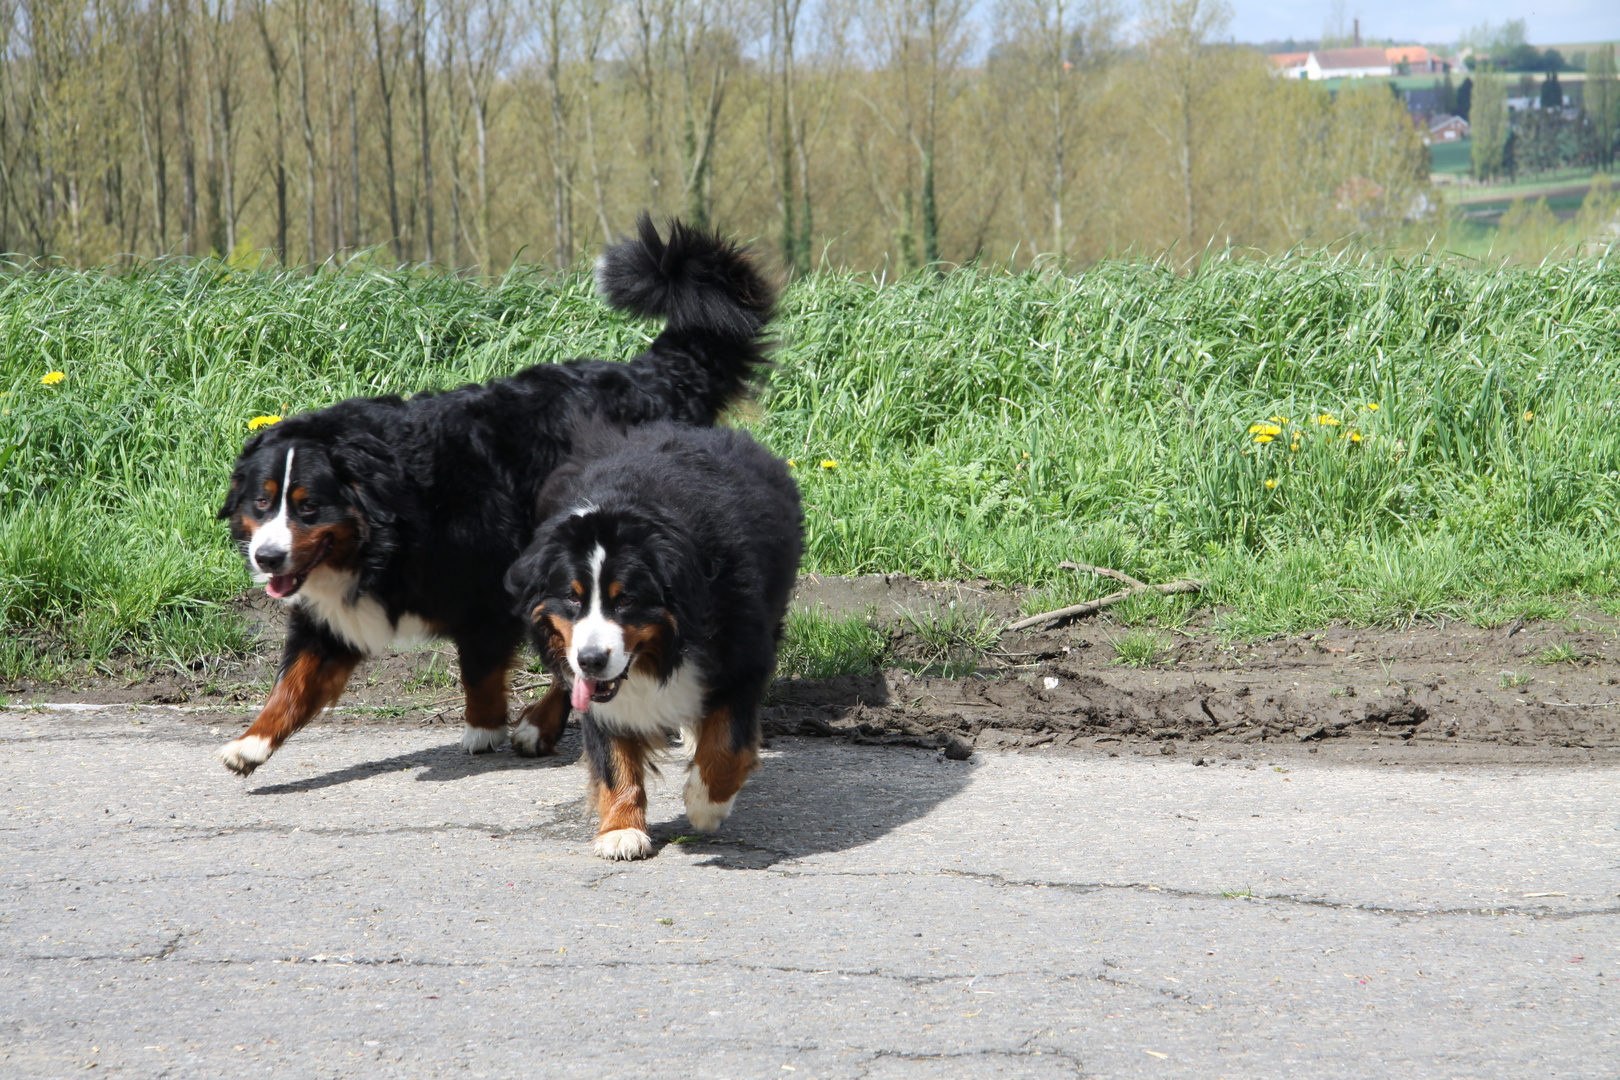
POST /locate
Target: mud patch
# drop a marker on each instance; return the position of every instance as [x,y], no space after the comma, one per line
[1548,685]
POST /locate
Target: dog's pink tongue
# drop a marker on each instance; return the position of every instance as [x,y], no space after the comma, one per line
[583,689]
[280,585]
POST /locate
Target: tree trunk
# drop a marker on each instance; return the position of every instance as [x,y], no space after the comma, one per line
[389,170]
[419,16]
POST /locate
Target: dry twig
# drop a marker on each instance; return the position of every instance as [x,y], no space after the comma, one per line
[1092,606]
[1101,571]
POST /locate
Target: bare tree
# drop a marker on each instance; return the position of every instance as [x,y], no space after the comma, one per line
[387,57]
[1177,33]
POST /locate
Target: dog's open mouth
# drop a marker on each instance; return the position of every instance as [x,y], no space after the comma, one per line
[281,586]
[587,691]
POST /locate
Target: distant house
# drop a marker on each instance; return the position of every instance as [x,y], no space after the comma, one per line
[1289,65]
[1348,64]
[1331,64]
[1418,60]
[1448,129]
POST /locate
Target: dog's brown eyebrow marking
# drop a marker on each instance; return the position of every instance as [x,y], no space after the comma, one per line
[298,493]
[615,589]
[579,590]
[534,616]
[271,487]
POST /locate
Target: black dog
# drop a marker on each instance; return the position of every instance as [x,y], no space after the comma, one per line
[656,591]
[381,518]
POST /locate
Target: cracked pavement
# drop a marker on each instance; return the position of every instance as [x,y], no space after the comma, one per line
[375,903]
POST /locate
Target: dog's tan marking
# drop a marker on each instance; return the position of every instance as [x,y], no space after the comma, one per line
[307,686]
[722,767]
[486,700]
[615,589]
[623,805]
[646,642]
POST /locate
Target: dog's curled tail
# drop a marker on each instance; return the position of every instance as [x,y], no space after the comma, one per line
[695,281]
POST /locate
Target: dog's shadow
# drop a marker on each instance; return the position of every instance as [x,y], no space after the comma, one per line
[438,764]
[810,796]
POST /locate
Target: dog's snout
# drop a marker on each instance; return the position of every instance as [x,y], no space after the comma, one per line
[271,559]
[593,660]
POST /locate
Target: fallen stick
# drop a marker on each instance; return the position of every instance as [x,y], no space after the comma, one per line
[1092,606]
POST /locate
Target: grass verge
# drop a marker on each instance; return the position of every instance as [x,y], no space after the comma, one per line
[1444,440]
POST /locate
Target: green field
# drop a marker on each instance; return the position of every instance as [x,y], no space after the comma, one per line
[979,425]
[1455,158]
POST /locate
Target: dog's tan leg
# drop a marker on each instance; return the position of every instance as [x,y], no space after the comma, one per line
[309,683]
[717,773]
[540,724]
[486,691]
[621,801]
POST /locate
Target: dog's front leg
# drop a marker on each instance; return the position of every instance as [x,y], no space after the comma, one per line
[726,750]
[618,792]
[541,723]
[314,670]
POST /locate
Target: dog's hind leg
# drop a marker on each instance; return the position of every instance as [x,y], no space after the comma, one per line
[726,752]
[314,672]
[540,724]
[484,668]
[618,792]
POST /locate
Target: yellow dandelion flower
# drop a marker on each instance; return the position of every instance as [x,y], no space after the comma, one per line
[829,464]
[1271,483]
[1326,420]
[1264,429]
[51,378]
[1294,446]
[1354,436]
[792,464]
[1026,455]
[1371,406]
[1529,416]
[1263,438]
[1279,419]
[262,422]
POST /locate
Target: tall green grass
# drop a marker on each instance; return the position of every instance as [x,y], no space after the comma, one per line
[982,424]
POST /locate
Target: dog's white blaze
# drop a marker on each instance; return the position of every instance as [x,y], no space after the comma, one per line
[704,814]
[245,754]
[362,623]
[482,740]
[645,706]
[276,531]
[623,844]
[595,629]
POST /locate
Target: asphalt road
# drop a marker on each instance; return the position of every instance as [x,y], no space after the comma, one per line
[374,903]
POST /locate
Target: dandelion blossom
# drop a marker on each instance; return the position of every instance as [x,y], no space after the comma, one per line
[1271,483]
[1528,415]
[51,378]
[792,464]
[1354,436]
[1264,429]
[1263,438]
[262,422]
[829,464]
[1279,419]
[1371,406]
[1326,420]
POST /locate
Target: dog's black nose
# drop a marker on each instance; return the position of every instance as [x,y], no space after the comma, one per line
[272,560]
[593,660]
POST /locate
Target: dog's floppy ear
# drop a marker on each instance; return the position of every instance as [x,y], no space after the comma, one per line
[367,466]
[233,497]
[682,569]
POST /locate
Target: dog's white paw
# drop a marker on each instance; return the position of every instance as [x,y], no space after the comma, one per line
[623,844]
[477,740]
[526,739]
[704,814]
[243,755]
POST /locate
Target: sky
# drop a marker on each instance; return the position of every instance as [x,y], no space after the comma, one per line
[1429,21]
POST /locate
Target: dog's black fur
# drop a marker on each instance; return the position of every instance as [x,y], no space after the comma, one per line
[412,510]
[695,536]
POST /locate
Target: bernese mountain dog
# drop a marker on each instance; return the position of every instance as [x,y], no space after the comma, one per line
[385,518]
[655,592]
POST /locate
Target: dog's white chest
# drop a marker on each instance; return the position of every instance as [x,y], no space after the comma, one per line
[644,706]
[363,624]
